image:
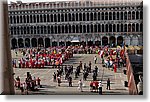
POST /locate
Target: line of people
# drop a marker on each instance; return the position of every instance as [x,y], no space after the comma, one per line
[41,57]
[66,71]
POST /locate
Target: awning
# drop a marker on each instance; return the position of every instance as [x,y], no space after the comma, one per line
[131,48]
[138,47]
[75,39]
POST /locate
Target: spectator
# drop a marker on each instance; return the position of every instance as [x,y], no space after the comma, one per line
[38,82]
[80,65]
[108,84]
[90,65]
[54,77]
[70,81]
[80,85]
[59,80]
[21,88]
[100,87]
[95,59]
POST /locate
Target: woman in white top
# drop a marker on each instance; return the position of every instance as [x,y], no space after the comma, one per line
[80,84]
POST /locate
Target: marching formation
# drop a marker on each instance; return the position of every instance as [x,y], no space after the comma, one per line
[39,57]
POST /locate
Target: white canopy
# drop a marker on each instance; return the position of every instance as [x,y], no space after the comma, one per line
[75,39]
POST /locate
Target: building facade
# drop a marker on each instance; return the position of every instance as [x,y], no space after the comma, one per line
[89,22]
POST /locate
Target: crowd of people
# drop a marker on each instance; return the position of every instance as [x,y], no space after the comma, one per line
[112,58]
[29,84]
[39,57]
[68,71]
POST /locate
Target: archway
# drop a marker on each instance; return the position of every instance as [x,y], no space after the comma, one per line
[97,43]
[112,41]
[104,41]
[27,42]
[68,43]
[90,43]
[20,43]
[34,42]
[120,40]
[14,43]
[47,42]
[40,42]
[61,43]
[83,43]
[54,44]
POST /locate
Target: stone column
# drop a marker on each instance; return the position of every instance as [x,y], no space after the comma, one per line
[86,39]
[6,70]
[35,20]
[108,39]
[101,40]
[119,27]
[45,17]
[78,16]
[119,15]
[17,43]
[116,40]
[127,15]
[56,17]
[19,19]
[135,28]
[44,41]
[50,41]
[12,19]
[123,15]
[23,42]
[71,29]
[26,18]
[127,27]
[30,42]
[75,27]
[139,28]
[85,16]
[29,18]
[64,17]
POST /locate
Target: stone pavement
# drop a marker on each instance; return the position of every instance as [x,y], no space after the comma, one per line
[51,88]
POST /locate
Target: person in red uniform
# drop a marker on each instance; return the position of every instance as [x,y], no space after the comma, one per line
[30,63]
[115,67]
[23,64]
[91,86]
[20,66]
[42,63]
[27,64]
[38,82]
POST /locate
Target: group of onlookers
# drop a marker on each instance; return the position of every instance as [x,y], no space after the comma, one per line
[29,84]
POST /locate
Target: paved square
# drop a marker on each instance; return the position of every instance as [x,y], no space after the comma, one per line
[50,87]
